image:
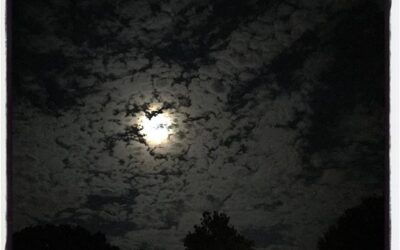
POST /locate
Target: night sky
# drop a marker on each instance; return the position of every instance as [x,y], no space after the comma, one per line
[277,116]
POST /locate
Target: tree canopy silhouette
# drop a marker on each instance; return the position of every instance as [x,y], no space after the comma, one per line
[215,233]
[360,228]
[63,237]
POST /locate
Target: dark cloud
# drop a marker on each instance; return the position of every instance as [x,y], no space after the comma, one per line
[269,237]
[277,112]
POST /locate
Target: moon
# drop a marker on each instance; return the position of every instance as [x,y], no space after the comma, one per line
[156,129]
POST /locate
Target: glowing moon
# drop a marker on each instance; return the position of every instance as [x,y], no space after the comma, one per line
[157,129]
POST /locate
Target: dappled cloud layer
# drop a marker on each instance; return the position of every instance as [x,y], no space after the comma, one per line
[275,115]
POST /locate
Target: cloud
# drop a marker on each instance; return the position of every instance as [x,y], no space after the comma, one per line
[239,86]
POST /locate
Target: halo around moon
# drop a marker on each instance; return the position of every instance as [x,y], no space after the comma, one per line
[157,129]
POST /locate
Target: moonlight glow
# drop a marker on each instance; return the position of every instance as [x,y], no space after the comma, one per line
[157,129]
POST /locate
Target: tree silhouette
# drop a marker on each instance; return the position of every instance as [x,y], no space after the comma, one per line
[215,233]
[63,237]
[360,228]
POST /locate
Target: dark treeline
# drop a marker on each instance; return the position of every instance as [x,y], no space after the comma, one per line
[61,237]
[361,227]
